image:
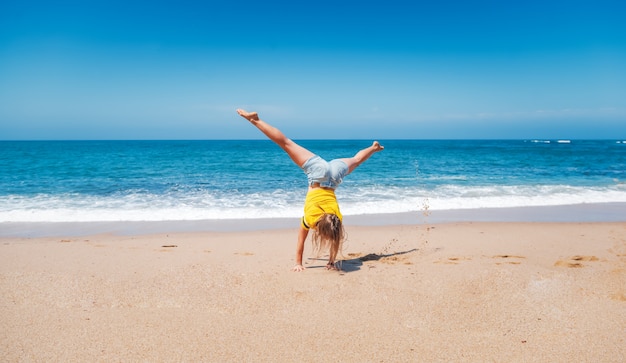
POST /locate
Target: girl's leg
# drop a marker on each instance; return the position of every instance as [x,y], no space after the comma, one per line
[297,153]
[361,156]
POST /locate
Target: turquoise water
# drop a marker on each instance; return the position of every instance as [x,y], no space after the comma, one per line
[57,181]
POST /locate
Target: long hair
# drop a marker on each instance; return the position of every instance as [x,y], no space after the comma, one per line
[328,235]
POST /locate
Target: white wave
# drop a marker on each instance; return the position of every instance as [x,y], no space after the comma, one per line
[145,207]
[288,204]
[444,178]
[458,197]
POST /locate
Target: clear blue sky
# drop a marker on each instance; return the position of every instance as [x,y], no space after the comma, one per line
[322,69]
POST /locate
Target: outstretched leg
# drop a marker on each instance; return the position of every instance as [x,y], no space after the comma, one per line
[297,153]
[362,155]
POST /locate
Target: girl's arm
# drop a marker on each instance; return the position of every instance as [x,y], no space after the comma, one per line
[302,234]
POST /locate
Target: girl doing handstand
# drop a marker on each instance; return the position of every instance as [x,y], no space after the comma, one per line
[321,210]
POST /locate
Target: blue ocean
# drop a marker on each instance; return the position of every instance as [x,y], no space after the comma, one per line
[74,181]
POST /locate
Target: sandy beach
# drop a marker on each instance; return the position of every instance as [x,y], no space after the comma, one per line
[506,292]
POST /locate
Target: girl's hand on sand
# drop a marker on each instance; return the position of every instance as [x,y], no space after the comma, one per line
[298,268]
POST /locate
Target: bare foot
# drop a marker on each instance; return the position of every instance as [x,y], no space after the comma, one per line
[250,116]
[377,146]
[332,266]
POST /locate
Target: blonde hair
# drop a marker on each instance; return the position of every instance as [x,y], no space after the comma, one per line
[328,235]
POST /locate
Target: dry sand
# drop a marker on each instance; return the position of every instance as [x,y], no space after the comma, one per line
[502,292]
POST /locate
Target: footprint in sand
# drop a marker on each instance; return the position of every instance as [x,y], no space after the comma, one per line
[453,260]
[167,248]
[575,261]
[391,258]
[244,253]
[509,259]
[395,259]
[620,296]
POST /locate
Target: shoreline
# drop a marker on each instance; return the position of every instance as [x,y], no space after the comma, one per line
[578,213]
